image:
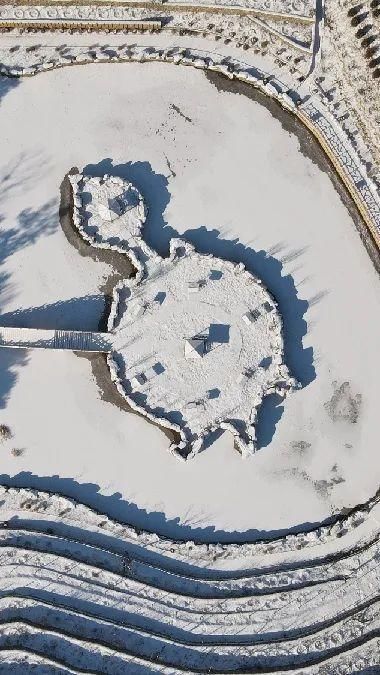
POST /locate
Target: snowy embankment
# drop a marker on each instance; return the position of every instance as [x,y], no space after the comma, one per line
[99,595]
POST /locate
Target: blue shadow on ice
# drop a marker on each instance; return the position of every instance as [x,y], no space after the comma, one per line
[30,225]
[82,313]
[7,84]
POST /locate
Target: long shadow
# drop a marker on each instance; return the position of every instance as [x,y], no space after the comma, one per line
[81,313]
[153,521]
[31,224]
[269,415]
[7,84]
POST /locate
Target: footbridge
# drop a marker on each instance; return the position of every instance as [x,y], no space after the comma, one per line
[38,338]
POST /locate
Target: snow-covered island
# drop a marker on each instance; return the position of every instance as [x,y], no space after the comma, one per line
[196,341]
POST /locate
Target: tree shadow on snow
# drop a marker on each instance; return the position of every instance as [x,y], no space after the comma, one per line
[11,360]
[82,313]
[29,226]
[263,264]
[7,84]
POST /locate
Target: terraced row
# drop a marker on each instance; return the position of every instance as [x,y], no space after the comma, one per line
[100,606]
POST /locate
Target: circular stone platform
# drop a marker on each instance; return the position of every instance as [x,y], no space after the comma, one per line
[113,209]
[196,341]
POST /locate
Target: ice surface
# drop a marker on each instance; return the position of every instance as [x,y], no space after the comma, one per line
[235,182]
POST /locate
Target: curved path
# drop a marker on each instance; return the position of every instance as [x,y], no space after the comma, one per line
[105,594]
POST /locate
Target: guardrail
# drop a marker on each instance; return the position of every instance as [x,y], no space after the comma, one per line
[39,338]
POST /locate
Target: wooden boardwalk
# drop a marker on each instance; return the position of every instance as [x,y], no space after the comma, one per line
[38,338]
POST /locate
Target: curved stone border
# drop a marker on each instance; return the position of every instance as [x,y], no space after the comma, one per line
[332,636]
[238,27]
[174,447]
[337,634]
[96,560]
[344,159]
[329,642]
[310,112]
[363,521]
[177,16]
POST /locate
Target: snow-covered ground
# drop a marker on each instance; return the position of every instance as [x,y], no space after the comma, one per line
[222,170]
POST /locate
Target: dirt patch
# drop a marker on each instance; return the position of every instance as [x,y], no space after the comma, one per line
[17,452]
[343,405]
[325,487]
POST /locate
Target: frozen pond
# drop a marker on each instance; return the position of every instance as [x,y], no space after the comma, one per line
[219,168]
